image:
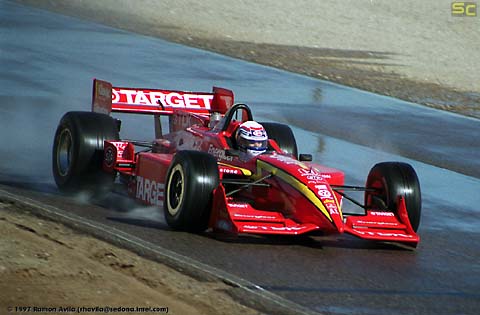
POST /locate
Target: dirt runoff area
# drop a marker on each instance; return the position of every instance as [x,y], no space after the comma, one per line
[47,268]
[412,50]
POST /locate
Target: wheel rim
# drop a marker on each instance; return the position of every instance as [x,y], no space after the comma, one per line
[176,190]
[64,152]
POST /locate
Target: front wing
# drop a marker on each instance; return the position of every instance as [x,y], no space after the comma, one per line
[241,217]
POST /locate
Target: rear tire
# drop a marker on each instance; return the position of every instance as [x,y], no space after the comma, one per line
[283,135]
[191,179]
[77,154]
[391,180]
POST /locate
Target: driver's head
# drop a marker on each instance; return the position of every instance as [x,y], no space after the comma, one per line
[252,138]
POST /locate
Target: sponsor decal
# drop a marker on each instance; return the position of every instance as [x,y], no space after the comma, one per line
[330,205]
[220,154]
[230,171]
[120,148]
[327,198]
[382,214]
[323,192]
[383,234]
[311,174]
[102,98]
[274,228]
[332,208]
[258,133]
[150,191]
[238,205]
[165,98]
[253,216]
[102,90]
[286,228]
[376,223]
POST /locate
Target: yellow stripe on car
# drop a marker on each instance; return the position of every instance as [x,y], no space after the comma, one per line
[295,183]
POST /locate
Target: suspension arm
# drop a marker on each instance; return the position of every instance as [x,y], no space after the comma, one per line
[258,181]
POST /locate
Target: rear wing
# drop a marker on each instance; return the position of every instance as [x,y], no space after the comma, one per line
[107,98]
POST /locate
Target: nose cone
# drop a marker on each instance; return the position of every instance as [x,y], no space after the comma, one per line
[338,220]
[330,202]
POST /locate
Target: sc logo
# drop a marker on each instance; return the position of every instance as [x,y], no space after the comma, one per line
[464,9]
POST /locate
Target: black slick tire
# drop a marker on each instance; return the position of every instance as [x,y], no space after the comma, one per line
[191,179]
[283,135]
[391,180]
[77,154]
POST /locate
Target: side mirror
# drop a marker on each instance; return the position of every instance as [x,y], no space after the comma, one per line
[305,157]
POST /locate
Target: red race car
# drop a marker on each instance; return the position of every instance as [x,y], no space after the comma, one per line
[217,168]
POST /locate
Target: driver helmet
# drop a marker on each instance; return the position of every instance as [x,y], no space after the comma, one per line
[252,138]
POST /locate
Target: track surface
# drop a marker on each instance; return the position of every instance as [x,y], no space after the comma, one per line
[47,63]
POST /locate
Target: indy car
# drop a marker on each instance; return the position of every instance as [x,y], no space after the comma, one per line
[196,174]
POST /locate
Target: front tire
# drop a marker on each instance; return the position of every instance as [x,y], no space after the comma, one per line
[191,179]
[391,180]
[77,154]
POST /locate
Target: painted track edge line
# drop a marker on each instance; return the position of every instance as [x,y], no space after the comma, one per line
[162,255]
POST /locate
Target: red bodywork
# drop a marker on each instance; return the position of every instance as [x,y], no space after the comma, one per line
[299,198]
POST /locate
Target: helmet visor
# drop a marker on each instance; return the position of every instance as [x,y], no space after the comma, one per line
[255,145]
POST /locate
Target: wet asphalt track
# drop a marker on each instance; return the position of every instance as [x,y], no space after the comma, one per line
[47,63]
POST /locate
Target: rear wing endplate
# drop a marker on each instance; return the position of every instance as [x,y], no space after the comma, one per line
[107,98]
